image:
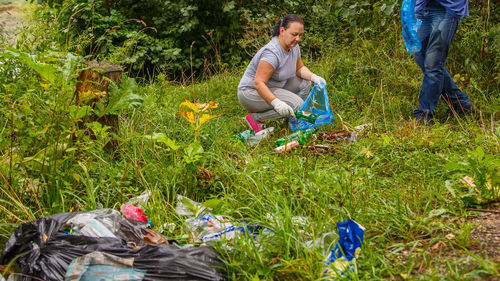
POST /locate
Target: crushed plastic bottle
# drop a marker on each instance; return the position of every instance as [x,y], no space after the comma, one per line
[244,136]
[259,136]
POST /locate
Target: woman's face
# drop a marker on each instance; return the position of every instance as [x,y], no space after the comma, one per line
[291,36]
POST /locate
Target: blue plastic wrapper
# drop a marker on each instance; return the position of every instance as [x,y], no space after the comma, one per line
[346,250]
[410,26]
[316,102]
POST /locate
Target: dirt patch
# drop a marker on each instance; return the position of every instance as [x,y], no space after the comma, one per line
[487,232]
[11,20]
[483,242]
[6,9]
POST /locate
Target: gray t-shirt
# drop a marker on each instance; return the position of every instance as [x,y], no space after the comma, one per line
[284,63]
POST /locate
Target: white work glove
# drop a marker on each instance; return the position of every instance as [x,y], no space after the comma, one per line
[282,108]
[317,80]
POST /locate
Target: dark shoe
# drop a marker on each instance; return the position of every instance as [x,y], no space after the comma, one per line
[457,109]
[424,122]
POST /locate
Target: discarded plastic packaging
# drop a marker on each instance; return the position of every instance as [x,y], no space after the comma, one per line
[343,256]
[334,136]
[325,242]
[140,200]
[167,227]
[317,103]
[244,136]
[103,266]
[133,213]
[152,237]
[410,26]
[362,128]
[287,147]
[320,148]
[259,136]
[183,209]
[205,225]
[94,228]
[97,223]
[41,251]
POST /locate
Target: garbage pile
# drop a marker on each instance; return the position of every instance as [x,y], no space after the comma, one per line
[103,245]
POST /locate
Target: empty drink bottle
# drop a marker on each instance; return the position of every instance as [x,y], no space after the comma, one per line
[304,115]
[300,136]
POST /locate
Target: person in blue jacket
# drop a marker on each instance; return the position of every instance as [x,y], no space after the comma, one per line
[440,19]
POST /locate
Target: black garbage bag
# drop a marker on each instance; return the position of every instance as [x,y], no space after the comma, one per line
[44,252]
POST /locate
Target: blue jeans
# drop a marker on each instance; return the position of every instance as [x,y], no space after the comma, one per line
[435,33]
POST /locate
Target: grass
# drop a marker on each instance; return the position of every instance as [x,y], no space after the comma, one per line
[394,181]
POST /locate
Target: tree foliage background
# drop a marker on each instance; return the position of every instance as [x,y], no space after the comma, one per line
[203,36]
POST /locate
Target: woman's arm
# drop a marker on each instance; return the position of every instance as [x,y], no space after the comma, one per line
[302,71]
[264,72]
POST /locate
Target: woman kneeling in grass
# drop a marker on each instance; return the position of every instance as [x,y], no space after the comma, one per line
[276,81]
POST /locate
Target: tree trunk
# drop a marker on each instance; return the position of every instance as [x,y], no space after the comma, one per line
[92,85]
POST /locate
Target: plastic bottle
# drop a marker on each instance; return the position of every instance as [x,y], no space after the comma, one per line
[259,136]
[308,116]
[287,146]
[243,136]
[300,136]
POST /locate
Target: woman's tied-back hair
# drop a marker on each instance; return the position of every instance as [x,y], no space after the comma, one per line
[285,22]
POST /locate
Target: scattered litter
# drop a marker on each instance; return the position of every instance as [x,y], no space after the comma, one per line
[325,242]
[362,128]
[152,237]
[133,213]
[244,136]
[206,225]
[320,148]
[185,206]
[334,136]
[307,116]
[168,227]
[345,135]
[467,181]
[299,136]
[140,200]
[261,135]
[343,256]
[287,147]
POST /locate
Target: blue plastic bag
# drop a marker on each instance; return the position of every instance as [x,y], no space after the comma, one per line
[346,250]
[316,102]
[410,26]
